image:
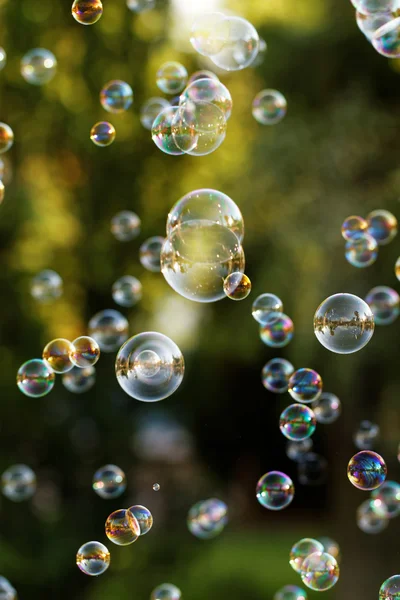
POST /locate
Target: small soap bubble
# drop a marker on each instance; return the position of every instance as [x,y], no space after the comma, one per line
[85,353]
[397,268]
[275,490]
[305,385]
[265,306]
[166,591]
[276,374]
[93,558]
[198,128]
[278,331]
[330,546]
[171,78]
[207,518]
[38,66]
[122,527]
[102,134]
[6,137]
[297,422]
[109,328]
[46,286]
[57,355]
[297,451]
[116,96]
[127,291]
[161,131]
[312,469]
[7,592]
[366,435]
[87,12]
[143,516]
[203,38]
[361,251]
[353,226]
[371,517]
[3,58]
[139,6]
[382,225]
[237,286]
[290,592]
[367,470]
[156,487]
[327,408]
[202,74]
[384,303]
[320,571]
[35,378]
[240,43]
[269,107]
[18,483]
[150,253]
[208,89]
[386,41]
[150,111]
[79,380]
[125,226]
[109,482]
[343,323]
[390,589]
[369,24]
[301,549]
[387,496]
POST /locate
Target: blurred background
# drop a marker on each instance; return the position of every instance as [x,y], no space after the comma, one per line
[335,154]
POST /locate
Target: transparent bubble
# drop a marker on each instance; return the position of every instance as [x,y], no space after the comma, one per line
[327,408]
[203,38]
[320,571]
[2,191]
[371,518]
[301,550]
[139,6]
[127,291]
[198,256]
[369,7]
[78,380]
[367,470]
[278,331]
[7,592]
[122,527]
[46,286]
[87,12]
[125,226]
[387,497]
[265,306]
[290,592]
[116,96]
[276,374]
[269,107]
[382,225]
[161,131]
[275,490]
[18,483]
[102,134]
[208,89]
[166,591]
[109,482]
[35,378]
[361,250]
[352,226]
[149,367]
[297,422]
[297,451]
[171,78]
[369,24]
[239,43]
[198,128]
[390,589]
[386,41]
[262,53]
[397,268]
[143,516]
[150,111]
[85,353]
[305,385]
[156,487]
[109,328]
[343,323]
[57,355]
[330,546]
[237,286]
[150,253]
[207,518]
[38,66]
[6,137]
[312,469]
[93,558]
[3,58]
[384,303]
[202,74]
[366,435]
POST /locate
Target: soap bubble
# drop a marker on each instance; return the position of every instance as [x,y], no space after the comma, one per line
[208,90]
[371,517]
[237,286]
[367,470]
[353,226]
[265,306]
[297,422]
[171,77]
[386,41]
[290,592]
[382,225]
[397,268]
[93,558]
[150,111]
[7,592]
[301,549]
[203,38]
[369,24]
[387,496]
[150,253]
[239,43]
[139,6]
[297,451]
[116,96]
[102,134]
[109,328]
[122,527]
[166,591]
[57,355]
[87,12]
[330,547]
[46,286]
[269,107]
[38,66]
[207,518]
[125,226]
[343,323]
[149,367]
[262,52]
[312,469]
[85,353]
[35,378]
[6,137]
[3,58]
[305,385]
[275,490]
[390,589]
[361,250]
[18,483]
[278,331]
[161,131]
[384,303]
[202,74]
[143,516]
[127,291]
[366,435]
[109,482]
[198,128]
[327,408]
[79,380]
[320,571]
[368,7]
[276,374]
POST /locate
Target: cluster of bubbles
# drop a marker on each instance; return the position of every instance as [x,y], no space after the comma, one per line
[276,328]
[364,236]
[379,21]
[207,519]
[318,569]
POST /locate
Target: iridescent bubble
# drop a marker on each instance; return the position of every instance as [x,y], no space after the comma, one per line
[278,331]
[87,12]
[2,191]
[327,408]
[7,592]
[116,96]
[265,306]
[203,38]
[57,355]
[143,516]
[367,470]
[330,546]
[38,66]
[387,497]
[297,422]
[343,323]
[239,43]
[139,6]
[85,353]
[262,52]
[109,328]
[390,589]
[6,137]
[305,385]
[125,226]
[312,469]
[127,291]
[207,518]
[382,225]
[371,517]
[386,41]
[102,134]
[150,253]
[353,226]
[150,111]
[320,571]
[198,128]
[290,592]
[366,435]
[46,286]
[79,380]
[269,107]
[361,250]
[276,374]
[35,378]
[397,268]
[122,527]
[18,483]
[93,558]
[149,367]
[275,490]
[297,451]
[161,131]
[368,7]
[156,487]
[3,58]
[166,591]
[202,74]
[301,550]
[208,90]
[384,303]
[171,78]
[237,286]
[109,482]
[369,24]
